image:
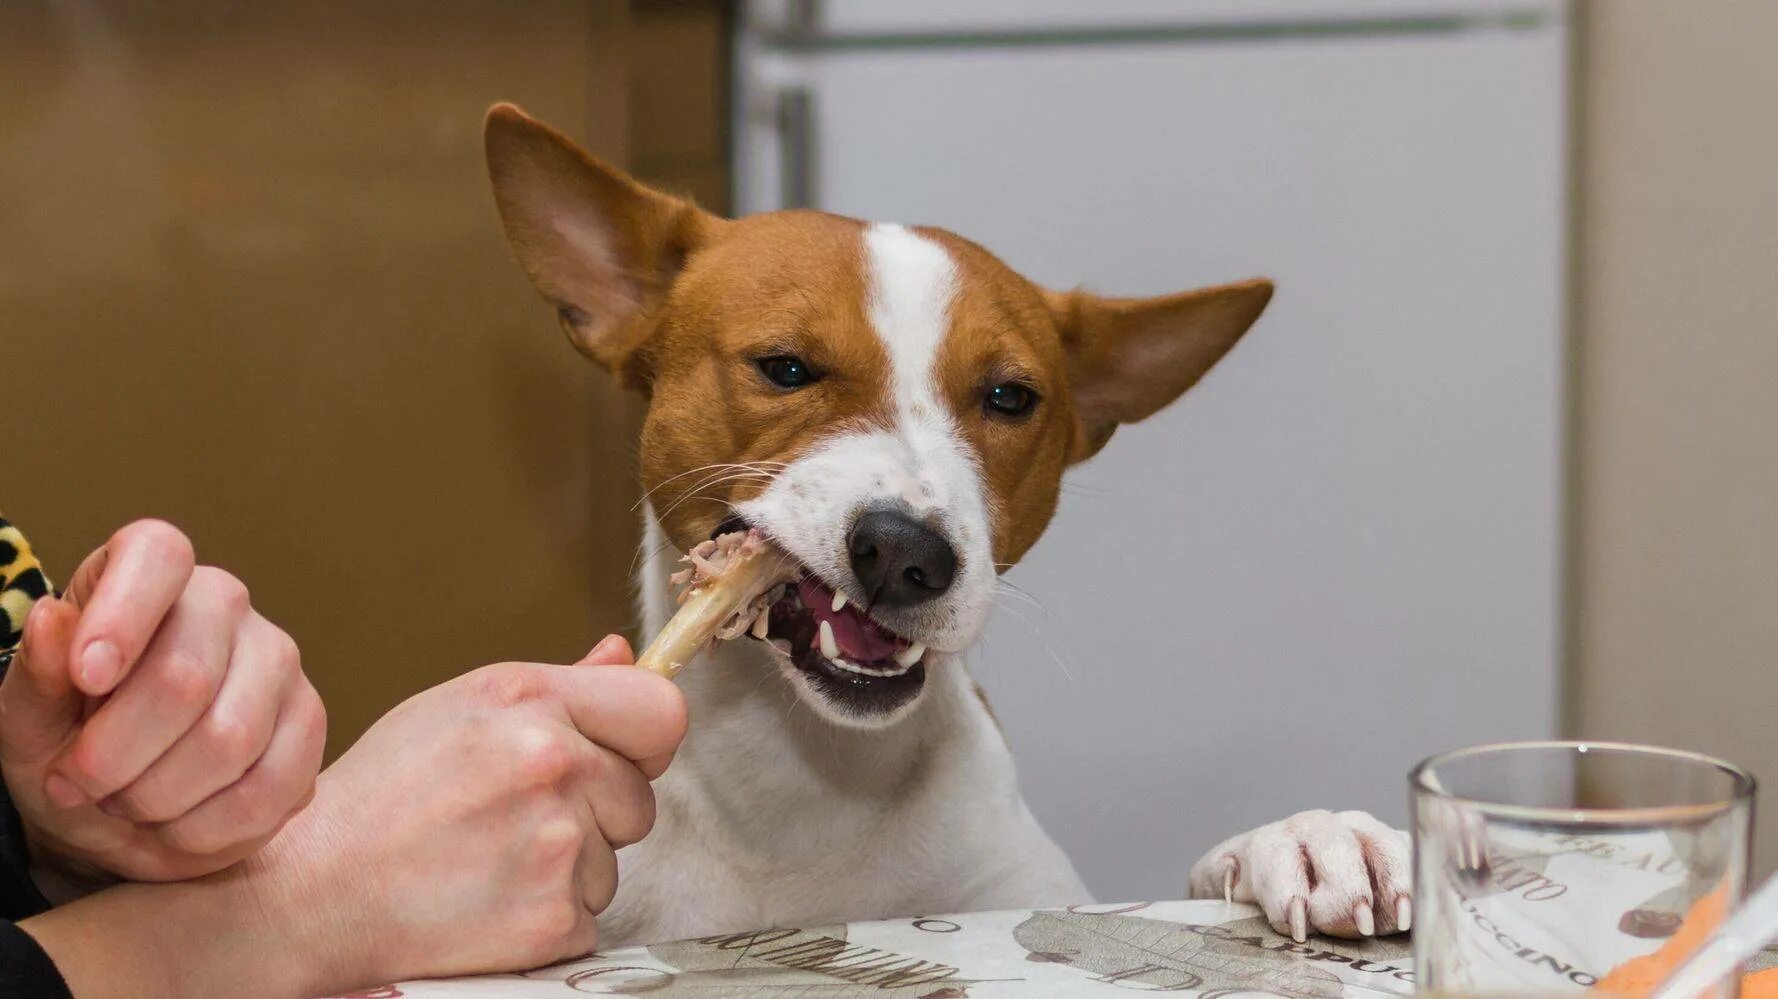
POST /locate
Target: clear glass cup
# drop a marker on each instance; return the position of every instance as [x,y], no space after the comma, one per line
[1558,866]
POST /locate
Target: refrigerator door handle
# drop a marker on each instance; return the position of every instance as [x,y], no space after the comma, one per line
[794,114]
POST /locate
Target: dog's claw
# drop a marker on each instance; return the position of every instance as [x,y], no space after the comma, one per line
[1299,919]
[1365,920]
[1404,914]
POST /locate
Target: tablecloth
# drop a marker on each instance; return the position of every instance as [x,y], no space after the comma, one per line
[1206,948]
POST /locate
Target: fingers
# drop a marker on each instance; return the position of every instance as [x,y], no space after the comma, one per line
[123,590]
[630,711]
[612,650]
[595,881]
[264,671]
[621,800]
[596,875]
[165,694]
[238,819]
[39,706]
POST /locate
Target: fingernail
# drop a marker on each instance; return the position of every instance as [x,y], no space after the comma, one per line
[99,664]
[62,791]
[607,644]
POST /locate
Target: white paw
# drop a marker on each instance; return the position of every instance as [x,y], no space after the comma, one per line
[1344,874]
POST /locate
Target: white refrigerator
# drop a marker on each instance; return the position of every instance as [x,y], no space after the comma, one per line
[1341,551]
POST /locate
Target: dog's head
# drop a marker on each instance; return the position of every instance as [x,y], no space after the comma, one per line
[893,405]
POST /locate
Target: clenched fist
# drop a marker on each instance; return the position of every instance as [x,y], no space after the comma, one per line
[153,725]
[474,827]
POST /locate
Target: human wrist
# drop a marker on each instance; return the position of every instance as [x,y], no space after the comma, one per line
[306,884]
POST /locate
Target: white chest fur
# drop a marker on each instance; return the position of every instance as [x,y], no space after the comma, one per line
[772,816]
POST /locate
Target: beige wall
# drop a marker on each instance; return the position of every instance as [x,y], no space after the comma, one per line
[1676,527]
[251,273]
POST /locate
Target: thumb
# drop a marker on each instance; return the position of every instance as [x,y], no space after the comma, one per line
[39,704]
[612,650]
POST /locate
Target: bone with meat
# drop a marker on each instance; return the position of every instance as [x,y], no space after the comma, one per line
[724,591]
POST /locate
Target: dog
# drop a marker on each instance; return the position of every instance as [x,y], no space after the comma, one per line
[895,408]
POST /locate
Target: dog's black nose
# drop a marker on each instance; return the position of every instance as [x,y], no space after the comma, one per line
[898,560]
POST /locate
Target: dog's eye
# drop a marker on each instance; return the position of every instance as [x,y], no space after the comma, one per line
[786,371]
[1010,399]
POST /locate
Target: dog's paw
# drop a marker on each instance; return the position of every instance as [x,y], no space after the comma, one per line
[1344,874]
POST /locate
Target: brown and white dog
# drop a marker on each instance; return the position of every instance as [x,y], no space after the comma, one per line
[895,407]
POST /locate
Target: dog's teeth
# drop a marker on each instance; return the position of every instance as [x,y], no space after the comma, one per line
[907,657]
[839,601]
[760,624]
[829,647]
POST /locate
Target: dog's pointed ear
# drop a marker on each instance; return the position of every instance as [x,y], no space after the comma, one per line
[601,247]
[1129,357]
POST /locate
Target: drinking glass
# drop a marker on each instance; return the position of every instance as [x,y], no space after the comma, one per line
[1551,866]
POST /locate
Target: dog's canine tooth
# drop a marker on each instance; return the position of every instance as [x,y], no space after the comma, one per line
[1299,919]
[1404,914]
[761,623]
[907,657]
[839,601]
[829,647]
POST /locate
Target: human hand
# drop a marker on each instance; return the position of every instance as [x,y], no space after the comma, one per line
[473,828]
[153,725]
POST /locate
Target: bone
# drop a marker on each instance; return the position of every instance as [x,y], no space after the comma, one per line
[723,592]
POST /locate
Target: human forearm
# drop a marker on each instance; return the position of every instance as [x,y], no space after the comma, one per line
[200,938]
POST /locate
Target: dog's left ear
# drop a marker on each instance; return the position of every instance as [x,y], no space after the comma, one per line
[601,247]
[1129,357]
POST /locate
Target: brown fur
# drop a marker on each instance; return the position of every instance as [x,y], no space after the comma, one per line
[682,304]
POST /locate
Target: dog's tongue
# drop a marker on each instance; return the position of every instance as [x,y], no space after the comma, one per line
[860,639]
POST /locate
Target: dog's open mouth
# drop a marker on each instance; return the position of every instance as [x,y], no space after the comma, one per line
[847,654]
[853,660]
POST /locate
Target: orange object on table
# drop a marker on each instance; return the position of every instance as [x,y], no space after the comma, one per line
[1638,977]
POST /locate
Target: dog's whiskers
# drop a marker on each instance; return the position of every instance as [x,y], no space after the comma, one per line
[768,468]
[1036,628]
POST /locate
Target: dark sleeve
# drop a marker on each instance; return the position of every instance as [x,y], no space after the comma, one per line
[26,972]
[19,895]
[21,583]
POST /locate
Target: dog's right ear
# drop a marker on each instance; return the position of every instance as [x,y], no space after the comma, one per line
[602,248]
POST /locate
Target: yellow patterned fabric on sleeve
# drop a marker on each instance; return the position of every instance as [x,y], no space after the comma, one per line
[21,583]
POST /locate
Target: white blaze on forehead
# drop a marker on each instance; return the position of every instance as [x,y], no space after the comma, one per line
[912,283]
[920,461]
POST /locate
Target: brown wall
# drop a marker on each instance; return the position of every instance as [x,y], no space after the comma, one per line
[1676,539]
[251,274]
